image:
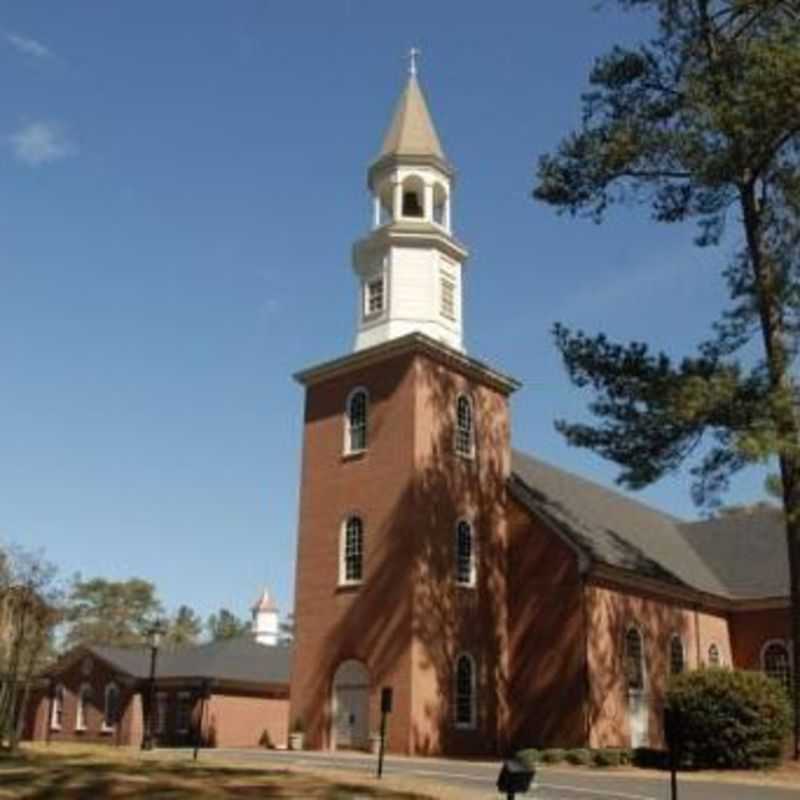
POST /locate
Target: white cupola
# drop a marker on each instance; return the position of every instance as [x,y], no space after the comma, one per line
[410,266]
[265,620]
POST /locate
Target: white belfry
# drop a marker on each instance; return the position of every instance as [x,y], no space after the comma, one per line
[410,266]
[265,620]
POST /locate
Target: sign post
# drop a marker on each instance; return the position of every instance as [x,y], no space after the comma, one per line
[386,709]
[673,736]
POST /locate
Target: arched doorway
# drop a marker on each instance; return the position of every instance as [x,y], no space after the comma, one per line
[350,718]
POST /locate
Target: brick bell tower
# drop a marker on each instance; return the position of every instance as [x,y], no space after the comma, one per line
[401,554]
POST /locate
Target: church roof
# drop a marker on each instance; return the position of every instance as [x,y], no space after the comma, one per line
[239,660]
[736,557]
[412,132]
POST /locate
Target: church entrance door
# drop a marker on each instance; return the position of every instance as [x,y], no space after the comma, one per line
[350,707]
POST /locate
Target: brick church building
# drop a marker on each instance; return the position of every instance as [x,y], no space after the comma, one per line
[506,602]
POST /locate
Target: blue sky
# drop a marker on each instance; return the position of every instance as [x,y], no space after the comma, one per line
[181,185]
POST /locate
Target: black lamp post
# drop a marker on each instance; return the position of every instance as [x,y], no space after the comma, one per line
[154,635]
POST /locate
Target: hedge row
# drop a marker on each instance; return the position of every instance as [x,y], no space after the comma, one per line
[605,757]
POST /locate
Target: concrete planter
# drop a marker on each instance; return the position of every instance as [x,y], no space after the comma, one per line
[296,740]
[375,743]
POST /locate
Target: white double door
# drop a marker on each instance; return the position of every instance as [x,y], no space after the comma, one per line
[639,718]
[351,707]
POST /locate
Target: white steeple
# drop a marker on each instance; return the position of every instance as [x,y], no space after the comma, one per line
[265,619]
[410,265]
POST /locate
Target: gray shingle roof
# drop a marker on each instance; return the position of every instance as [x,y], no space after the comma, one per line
[236,660]
[729,557]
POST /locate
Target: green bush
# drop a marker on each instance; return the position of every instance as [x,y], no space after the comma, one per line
[608,757]
[266,740]
[650,758]
[530,756]
[579,757]
[553,755]
[729,719]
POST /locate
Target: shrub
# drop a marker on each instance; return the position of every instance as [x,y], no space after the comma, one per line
[608,757]
[530,756]
[579,757]
[265,740]
[729,719]
[553,755]
[650,758]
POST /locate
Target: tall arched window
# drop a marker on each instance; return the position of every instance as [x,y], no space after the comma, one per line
[352,551]
[57,709]
[465,699]
[714,659]
[677,659]
[84,701]
[465,427]
[356,433]
[776,663]
[634,660]
[466,572]
[111,708]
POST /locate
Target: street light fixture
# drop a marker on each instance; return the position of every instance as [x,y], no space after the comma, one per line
[154,635]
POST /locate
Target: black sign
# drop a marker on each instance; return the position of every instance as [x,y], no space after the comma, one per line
[386,700]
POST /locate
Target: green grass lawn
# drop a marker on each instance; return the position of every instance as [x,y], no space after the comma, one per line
[98,773]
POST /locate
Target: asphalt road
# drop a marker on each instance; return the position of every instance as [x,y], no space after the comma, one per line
[552,783]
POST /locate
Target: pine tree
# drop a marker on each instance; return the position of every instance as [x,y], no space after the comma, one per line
[702,124]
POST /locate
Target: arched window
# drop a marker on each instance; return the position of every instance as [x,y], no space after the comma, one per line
[776,664]
[634,660]
[677,659]
[84,701]
[111,708]
[465,429]
[440,205]
[466,571]
[356,434]
[465,700]
[57,709]
[413,197]
[714,659]
[352,551]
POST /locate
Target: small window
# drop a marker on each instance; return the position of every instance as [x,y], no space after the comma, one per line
[84,701]
[465,554]
[183,716]
[57,709]
[677,661]
[776,664]
[111,710]
[352,550]
[161,713]
[465,435]
[634,660]
[465,692]
[356,436]
[714,659]
[373,297]
[448,297]
[412,207]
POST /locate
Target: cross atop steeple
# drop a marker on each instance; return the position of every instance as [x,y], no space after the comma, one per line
[413,54]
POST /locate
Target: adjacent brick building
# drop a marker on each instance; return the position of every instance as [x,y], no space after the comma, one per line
[506,602]
[233,693]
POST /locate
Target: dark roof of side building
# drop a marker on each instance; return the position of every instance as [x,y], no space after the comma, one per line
[737,556]
[240,660]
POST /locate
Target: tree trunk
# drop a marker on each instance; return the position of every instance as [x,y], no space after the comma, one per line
[784,419]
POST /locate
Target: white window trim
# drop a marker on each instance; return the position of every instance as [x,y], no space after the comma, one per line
[366,314]
[57,704]
[786,645]
[469,456]
[683,654]
[80,708]
[721,658]
[473,578]
[105,727]
[473,723]
[348,451]
[178,713]
[642,640]
[343,579]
